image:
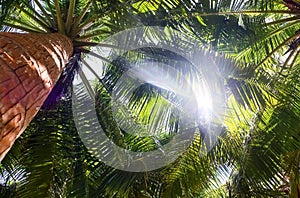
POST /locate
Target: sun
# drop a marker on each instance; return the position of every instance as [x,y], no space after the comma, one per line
[204,100]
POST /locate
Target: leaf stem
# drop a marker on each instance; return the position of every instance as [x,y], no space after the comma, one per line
[60,24]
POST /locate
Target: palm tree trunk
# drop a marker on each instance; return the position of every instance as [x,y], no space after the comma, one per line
[30,65]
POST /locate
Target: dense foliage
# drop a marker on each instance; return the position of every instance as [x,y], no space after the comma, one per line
[257,154]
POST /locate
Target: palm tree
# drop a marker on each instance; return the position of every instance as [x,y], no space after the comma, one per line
[35,162]
[259,144]
[68,33]
[31,64]
[65,31]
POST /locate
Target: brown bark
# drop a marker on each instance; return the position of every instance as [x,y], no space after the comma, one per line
[30,65]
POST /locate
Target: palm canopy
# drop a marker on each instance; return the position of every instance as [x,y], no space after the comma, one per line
[259,143]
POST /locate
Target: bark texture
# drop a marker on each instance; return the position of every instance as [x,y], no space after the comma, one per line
[30,65]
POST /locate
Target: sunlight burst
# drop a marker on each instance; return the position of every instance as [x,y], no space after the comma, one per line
[204,100]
